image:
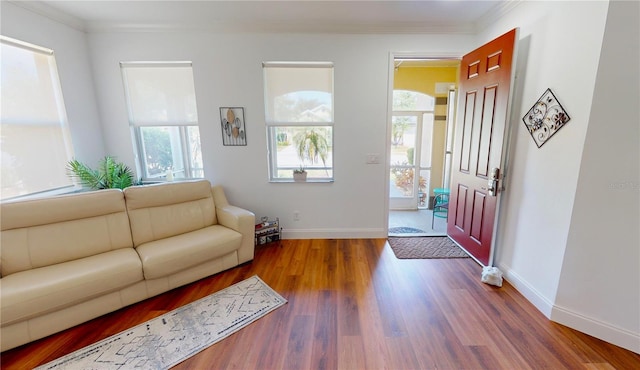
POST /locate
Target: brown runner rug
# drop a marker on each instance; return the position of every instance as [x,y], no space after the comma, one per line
[426,247]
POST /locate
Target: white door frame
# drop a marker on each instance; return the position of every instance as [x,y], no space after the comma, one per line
[392,56]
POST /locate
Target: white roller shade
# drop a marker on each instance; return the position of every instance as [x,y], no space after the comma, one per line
[160,94]
[36,143]
[30,92]
[298,92]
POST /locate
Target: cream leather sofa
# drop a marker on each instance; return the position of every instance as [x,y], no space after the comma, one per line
[68,259]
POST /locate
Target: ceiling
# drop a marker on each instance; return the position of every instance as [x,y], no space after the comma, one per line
[307,16]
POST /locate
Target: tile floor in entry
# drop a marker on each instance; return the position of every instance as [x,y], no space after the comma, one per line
[417,219]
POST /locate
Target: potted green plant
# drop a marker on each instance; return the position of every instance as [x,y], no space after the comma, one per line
[311,146]
[109,174]
[300,174]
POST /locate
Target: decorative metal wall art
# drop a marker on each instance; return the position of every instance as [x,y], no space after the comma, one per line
[233,126]
[545,118]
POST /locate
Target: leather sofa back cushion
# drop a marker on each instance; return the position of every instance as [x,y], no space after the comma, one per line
[48,231]
[165,210]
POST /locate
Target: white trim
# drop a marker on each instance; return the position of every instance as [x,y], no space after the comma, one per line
[47,11]
[422,55]
[390,78]
[173,64]
[299,124]
[70,189]
[306,27]
[297,64]
[319,27]
[602,330]
[599,329]
[25,45]
[529,292]
[495,14]
[354,233]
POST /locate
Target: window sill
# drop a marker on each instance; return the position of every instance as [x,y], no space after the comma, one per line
[291,181]
[47,193]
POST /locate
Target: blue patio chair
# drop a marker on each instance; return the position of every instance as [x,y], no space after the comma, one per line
[440,207]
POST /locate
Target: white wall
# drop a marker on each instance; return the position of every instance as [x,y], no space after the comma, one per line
[72,58]
[555,239]
[559,48]
[228,72]
[599,290]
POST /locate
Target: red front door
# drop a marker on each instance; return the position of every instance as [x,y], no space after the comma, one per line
[485,81]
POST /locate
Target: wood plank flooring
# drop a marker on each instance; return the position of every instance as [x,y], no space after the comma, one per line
[353,305]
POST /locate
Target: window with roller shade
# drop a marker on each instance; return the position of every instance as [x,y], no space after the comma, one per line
[35,141]
[299,119]
[161,101]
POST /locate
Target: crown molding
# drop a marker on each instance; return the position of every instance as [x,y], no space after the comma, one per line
[284,27]
[54,14]
[495,14]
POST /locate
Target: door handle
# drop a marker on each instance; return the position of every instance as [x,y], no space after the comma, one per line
[492,184]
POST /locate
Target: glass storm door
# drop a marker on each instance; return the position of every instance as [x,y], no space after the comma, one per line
[410,160]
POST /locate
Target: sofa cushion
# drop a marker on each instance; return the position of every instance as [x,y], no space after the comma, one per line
[164,210]
[43,232]
[32,293]
[170,255]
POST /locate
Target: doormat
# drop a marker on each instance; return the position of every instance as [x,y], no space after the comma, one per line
[169,339]
[426,248]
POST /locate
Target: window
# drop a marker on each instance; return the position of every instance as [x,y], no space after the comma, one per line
[299,118]
[35,139]
[162,113]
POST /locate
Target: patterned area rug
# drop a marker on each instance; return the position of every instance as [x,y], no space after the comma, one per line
[177,335]
[426,248]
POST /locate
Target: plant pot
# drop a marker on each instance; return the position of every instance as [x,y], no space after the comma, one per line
[299,176]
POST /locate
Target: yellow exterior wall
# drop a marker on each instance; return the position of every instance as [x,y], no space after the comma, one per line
[424,79]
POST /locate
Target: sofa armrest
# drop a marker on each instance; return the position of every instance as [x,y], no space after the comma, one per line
[238,219]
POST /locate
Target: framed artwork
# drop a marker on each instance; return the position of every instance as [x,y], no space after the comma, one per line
[233,126]
[545,118]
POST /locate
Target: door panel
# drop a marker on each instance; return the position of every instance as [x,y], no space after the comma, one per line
[485,78]
[459,206]
[467,124]
[486,131]
[478,215]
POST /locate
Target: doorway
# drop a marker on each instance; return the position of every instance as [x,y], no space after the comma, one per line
[420,147]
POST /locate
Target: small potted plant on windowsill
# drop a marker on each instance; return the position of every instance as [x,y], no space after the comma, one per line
[311,146]
[300,174]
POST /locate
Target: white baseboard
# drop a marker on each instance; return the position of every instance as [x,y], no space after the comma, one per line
[607,332]
[364,233]
[602,330]
[530,293]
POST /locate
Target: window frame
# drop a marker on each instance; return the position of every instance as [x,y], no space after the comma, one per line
[182,126]
[185,150]
[272,125]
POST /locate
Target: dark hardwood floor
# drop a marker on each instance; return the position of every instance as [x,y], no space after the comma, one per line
[353,305]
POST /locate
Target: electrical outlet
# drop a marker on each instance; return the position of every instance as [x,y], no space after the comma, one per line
[373,158]
[296,215]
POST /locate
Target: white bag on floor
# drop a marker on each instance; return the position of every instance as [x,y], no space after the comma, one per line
[492,276]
